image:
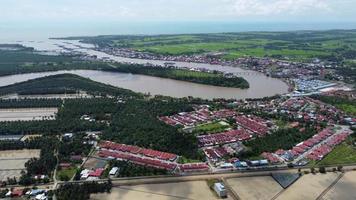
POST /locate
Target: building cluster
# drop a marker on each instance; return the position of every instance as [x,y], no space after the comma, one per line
[276,68]
[314,148]
[199,116]
[224,137]
[147,157]
[305,85]
[35,194]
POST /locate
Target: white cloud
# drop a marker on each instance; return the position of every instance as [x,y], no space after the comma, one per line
[87,10]
[276,7]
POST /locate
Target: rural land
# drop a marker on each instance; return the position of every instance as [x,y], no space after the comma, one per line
[75,124]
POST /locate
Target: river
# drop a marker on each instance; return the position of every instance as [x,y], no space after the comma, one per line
[260,85]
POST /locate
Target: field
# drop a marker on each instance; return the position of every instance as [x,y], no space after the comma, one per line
[212,127]
[66,174]
[342,154]
[309,186]
[259,188]
[344,188]
[27,114]
[295,45]
[94,163]
[167,191]
[13,161]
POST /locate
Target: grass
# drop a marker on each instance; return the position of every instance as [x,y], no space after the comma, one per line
[294,45]
[66,173]
[183,160]
[213,127]
[342,154]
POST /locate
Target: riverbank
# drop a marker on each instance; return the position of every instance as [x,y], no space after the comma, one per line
[214,78]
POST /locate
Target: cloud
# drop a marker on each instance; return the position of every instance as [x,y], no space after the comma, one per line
[276,7]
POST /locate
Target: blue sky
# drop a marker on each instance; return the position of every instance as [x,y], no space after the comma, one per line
[37,11]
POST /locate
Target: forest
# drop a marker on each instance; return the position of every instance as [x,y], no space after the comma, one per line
[81,191]
[279,139]
[128,169]
[51,84]
[208,78]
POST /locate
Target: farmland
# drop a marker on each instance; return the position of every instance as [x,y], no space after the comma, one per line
[259,188]
[296,45]
[344,188]
[13,161]
[342,154]
[309,186]
[167,191]
[28,114]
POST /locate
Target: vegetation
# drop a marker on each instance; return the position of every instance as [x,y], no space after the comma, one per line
[43,165]
[347,105]
[341,154]
[280,139]
[19,59]
[24,60]
[81,191]
[128,169]
[333,45]
[118,120]
[213,127]
[70,82]
[66,174]
[216,78]
[151,132]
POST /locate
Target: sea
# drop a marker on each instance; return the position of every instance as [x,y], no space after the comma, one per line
[10,32]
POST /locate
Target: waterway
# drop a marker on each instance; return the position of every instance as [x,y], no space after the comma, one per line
[260,84]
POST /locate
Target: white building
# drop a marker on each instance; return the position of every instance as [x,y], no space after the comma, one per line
[114,171]
[220,189]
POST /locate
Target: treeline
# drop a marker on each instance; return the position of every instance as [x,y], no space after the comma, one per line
[54,83]
[279,139]
[81,191]
[136,123]
[33,143]
[347,105]
[44,165]
[73,146]
[30,103]
[216,79]
[128,169]
[49,127]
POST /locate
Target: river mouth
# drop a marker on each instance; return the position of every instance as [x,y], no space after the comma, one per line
[260,85]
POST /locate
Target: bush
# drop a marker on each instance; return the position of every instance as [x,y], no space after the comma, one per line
[322,170]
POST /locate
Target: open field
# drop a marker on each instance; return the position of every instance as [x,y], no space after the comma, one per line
[212,127]
[27,114]
[309,186]
[94,163]
[13,161]
[168,191]
[295,45]
[344,188]
[342,154]
[259,188]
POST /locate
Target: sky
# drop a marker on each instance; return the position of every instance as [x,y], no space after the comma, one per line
[37,11]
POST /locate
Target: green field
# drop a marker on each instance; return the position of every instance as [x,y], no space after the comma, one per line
[342,154]
[211,128]
[295,45]
[66,174]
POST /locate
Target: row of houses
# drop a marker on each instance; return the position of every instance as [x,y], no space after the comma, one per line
[138,151]
[224,137]
[314,148]
[200,116]
[254,124]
